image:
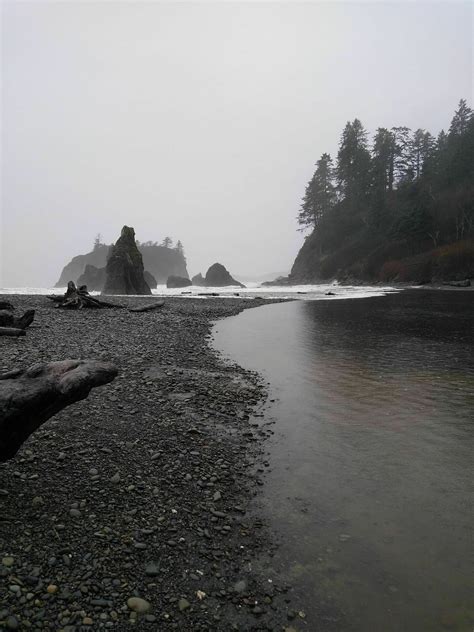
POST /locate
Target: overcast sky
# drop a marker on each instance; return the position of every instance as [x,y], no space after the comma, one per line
[201,121]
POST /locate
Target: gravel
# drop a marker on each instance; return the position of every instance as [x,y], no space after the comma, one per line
[133,508]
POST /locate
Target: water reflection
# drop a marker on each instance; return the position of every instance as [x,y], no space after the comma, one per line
[372,459]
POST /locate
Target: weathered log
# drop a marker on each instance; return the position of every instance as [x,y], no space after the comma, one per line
[78,298]
[8,318]
[12,331]
[30,397]
[148,308]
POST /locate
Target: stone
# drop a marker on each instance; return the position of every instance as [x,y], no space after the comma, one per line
[115,478]
[8,561]
[124,269]
[52,589]
[12,623]
[93,277]
[150,280]
[176,282]
[240,586]
[198,280]
[138,605]
[183,604]
[218,276]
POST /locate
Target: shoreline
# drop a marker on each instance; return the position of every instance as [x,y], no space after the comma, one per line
[141,490]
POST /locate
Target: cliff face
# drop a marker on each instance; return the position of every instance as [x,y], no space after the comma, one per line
[368,259]
[124,270]
[161,262]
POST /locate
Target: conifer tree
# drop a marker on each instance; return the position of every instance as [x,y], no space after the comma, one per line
[320,194]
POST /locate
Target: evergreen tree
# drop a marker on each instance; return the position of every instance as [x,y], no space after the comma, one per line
[462,117]
[320,194]
[97,241]
[167,242]
[179,248]
[353,164]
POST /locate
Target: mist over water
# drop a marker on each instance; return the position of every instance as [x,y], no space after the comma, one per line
[372,456]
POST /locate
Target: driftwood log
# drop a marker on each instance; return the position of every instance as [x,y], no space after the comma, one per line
[30,397]
[12,332]
[8,318]
[148,308]
[78,298]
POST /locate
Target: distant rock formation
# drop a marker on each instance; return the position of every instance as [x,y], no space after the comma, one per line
[73,270]
[160,261]
[124,270]
[177,281]
[198,280]
[218,276]
[93,277]
[281,280]
[150,279]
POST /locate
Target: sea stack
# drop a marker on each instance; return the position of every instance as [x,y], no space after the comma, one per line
[218,276]
[124,270]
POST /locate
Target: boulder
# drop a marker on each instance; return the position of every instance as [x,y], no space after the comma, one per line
[124,270]
[93,277]
[177,281]
[198,280]
[218,276]
[150,279]
[30,397]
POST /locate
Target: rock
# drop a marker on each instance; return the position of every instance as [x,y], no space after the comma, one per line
[75,513]
[115,478]
[93,277]
[8,561]
[124,270]
[30,397]
[198,280]
[138,605]
[152,569]
[150,280]
[37,501]
[176,281]
[218,276]
[240,586]
[12,623]
[217,496]
[183,604]
[52,589]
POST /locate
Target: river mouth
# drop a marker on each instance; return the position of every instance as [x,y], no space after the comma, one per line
[372,454]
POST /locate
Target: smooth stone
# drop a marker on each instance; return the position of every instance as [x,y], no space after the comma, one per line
[139,605]
[183,604]
[115,478]
[8,561]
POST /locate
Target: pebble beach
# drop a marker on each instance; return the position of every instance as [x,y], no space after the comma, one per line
[133,509]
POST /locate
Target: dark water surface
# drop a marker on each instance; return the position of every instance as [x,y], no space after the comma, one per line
[372,460]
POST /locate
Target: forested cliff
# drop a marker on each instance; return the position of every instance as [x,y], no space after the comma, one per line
[400,208]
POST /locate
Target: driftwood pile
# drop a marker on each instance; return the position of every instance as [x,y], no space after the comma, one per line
[10,324]
[78,298]
[30,397]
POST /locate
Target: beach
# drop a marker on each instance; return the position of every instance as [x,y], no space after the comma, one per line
[131,507]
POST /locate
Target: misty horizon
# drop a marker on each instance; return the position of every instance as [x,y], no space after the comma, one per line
[201,121]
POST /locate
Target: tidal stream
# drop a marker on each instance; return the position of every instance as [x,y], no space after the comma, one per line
[371,460]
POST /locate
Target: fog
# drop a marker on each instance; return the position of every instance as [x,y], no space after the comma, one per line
[201,121]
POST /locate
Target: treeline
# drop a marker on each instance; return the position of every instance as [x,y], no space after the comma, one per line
[402,186]
[166,243]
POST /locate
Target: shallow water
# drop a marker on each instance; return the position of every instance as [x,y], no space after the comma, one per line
[371,459]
